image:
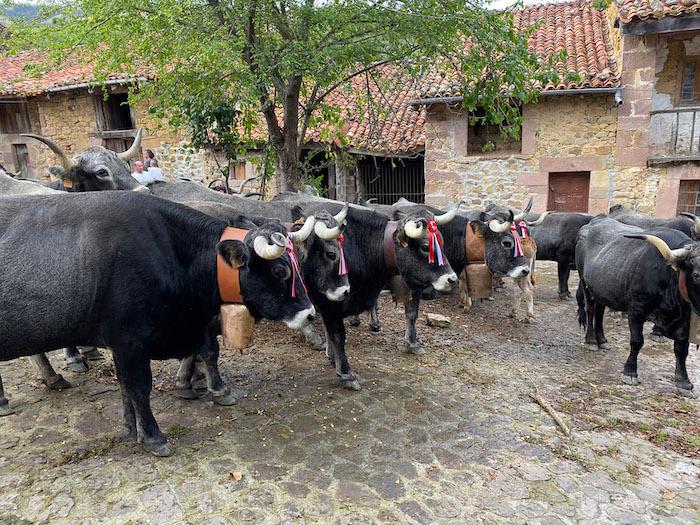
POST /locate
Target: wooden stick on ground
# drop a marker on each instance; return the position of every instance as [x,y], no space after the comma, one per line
[535,395]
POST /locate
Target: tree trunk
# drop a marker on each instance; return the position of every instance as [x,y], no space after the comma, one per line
[288,166]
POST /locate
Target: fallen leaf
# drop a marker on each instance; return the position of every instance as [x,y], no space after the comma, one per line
[238,476]
[668,494]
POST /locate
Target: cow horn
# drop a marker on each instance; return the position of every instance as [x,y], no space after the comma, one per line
[670,255]
[520,216]
[696,221]
[65,161]
[134,149]
[299,236]
[540,220]
[501,227]
[326,233]
[342,214]
[414,229]
[266,250]
[449,214]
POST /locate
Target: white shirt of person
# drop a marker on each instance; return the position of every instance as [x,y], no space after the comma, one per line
[153,174]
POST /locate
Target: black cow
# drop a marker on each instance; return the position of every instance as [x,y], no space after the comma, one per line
[644,279]
[133,273]
[690,227]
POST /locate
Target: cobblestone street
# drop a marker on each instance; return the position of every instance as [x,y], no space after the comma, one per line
[447,437]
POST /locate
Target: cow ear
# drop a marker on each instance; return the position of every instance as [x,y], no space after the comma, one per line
[57,172]
[298,214]
[235,253]
[401,238]
[398,215]
[479,228]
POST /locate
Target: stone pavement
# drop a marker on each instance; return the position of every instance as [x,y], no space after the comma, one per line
[448,437]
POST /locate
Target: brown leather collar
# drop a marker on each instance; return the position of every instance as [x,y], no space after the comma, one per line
[474,246]
[390,247]
[227,277]
[683,286]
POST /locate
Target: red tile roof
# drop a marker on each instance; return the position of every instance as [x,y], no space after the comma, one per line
[575,27]
[633,10]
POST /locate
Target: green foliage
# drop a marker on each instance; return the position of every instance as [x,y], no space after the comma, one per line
[239,64]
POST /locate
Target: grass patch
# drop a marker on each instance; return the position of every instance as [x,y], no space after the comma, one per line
[177,431]
[694,441]
[645,427]
[660,437]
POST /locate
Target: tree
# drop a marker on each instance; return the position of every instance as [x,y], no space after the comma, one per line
[281,59]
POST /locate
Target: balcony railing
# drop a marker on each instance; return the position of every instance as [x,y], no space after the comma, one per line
[674,135]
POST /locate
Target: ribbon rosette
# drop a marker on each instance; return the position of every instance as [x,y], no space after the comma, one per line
[523,229]
[518,251]
[342,267]
[435,244]
[296,270]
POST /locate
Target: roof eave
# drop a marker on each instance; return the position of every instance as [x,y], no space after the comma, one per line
[667,24]
[572,91]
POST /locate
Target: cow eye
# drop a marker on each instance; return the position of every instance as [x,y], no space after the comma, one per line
[281,272]
[102,173]
[330,256]
[424,247]
[507,243]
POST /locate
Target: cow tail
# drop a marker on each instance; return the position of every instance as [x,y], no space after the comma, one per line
[581,300]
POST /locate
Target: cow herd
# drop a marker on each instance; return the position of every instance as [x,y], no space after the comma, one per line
[144,271]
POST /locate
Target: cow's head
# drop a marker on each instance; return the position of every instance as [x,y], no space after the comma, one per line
[499,243]
[696,224]
[322,254]
[412,243]
[686,259]
[267,277]
[95,168]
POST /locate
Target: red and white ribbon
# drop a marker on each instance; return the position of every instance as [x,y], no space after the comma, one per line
[435,244]
[342,267]
[518,250]
[523,229]
[296,269]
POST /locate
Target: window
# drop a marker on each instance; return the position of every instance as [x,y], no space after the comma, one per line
[387,180]
[689,197]
[14,117]
[690,82]
[113,114]
[486,139]
[21,158]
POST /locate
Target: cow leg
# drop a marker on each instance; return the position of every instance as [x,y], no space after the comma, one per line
[183,381]
[410,342]
[564,271]
[590,319]
[601,341]
[48,375]
[374,323]
[313,337]
[128,415]
[5,409]
[335,335]
[529,293]
[220,393]
[636,324]
[683,384]
[464,300]
[91,353]
[136,381]
[515,302]
[75,361]
[657,335]
[354,320]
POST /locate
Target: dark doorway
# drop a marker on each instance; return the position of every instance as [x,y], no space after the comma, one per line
[569,191]
[113,114]
[21,158]
[387,180]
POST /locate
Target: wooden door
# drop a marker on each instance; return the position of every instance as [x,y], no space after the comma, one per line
[569,191]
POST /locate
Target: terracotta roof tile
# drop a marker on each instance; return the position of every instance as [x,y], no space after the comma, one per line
[633,10]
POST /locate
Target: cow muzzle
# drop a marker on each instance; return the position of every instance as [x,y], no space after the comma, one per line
[446,282]
[519,271]
[301,318]
[338,294]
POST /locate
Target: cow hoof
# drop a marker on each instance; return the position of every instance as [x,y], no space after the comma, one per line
[351,384]
[630,380]
[78,365]
[354,320]
[529,319]
[126,434]
[565,296]
[5,409]
[686,392]
[410,348]
[161,450]
[375,327]
[91,354]
[186,393]
[57,383]
[592,346]
[604,346]
[225,400]
[318,345]
[657,338]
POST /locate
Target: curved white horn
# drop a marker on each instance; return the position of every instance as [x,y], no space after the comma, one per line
[520,216]
[540,220]
[302,234]
[65,161]
[342,214]
[449,214]
[414,229]
[667,253]
[326,233]
[266,250]
[499,227]
[696,221]
[134,149]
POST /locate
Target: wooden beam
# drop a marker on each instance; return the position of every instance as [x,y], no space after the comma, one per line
[667,24]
